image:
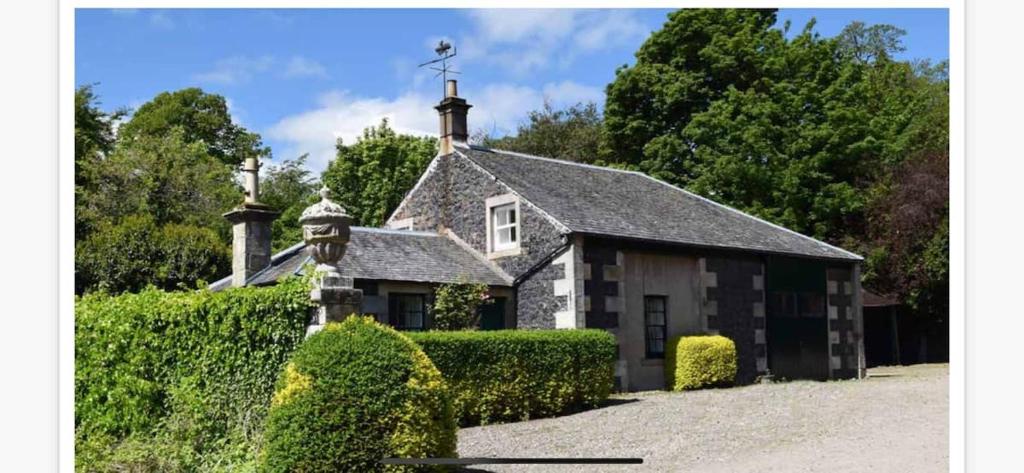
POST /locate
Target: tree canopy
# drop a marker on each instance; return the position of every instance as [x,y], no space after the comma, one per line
[808,132]
[572,134]
[370,177]
[203,118]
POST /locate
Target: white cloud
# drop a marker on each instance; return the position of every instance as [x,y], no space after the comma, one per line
[613,28]
[235,70]
[340,115]
[242,69]
[300,66]
[497,108]
[526,40]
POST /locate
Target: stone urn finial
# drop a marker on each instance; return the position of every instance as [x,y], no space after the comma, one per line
[326,228]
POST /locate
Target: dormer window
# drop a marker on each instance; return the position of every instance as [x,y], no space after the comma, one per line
[503,232]
[505,226]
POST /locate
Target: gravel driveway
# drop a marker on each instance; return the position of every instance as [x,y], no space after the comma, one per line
[894,421]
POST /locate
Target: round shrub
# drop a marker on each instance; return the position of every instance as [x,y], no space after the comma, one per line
[352,394]
[699,361]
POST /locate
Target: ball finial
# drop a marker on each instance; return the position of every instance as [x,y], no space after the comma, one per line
[325,193]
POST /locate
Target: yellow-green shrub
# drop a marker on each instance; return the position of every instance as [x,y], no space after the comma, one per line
[699,361]
[513,375]
[352,394]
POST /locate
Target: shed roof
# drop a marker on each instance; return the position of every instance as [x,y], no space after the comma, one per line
[627,204]
[392,255]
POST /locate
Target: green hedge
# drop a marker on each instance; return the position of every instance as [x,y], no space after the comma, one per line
[512,375]
[700,361]
[354,393]
[193,371]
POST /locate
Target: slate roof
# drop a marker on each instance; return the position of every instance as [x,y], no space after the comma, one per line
[626,204]
[393,255]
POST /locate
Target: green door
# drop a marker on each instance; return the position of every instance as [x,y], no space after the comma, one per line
[492,316]
[797,318]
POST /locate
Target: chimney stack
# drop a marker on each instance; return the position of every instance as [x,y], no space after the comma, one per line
[251,222]
[453,111]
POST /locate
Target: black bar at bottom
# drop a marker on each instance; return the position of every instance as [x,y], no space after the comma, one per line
[512,461]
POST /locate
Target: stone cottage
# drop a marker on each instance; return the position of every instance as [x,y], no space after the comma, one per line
[566,245]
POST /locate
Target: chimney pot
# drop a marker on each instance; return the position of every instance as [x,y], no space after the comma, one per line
[453,111]
[251,229]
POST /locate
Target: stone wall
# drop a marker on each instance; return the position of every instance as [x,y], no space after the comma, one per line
[536,301]
[426,204]
[453,196]
[602,281]
[842,334]
[733,305]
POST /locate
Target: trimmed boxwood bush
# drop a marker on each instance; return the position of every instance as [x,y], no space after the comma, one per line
[513,375]
[185,377]
[354,393]
[700,361]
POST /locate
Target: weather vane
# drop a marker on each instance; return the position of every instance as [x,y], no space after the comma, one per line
[446,51]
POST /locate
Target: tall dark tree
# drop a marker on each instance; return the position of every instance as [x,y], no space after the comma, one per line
[371,176]
[288,187]
[572,134]
[908,225]
[808,132]
[203,118]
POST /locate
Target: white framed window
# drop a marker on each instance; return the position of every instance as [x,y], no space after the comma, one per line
[503,229]
[505,226]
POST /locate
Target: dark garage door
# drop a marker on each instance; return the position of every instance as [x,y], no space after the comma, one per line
[797,319]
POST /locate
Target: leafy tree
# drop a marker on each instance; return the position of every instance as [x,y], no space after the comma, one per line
[696,57]
[908,227]
[203,118]
[371,177]
[456,305]
[867,44]
[94,139]
[94,130]
[572,134]
[137,252]
[164,177]
[812,133]
[288,187]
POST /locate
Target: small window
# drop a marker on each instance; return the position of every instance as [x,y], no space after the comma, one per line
[655,322]
[505,227]
[796,304]
[407,311]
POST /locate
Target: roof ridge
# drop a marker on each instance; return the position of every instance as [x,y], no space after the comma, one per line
[544,213]
[718,204]
[392,231]
[552,160]
[479,256]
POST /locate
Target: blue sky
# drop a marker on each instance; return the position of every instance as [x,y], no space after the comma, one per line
[301,78]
